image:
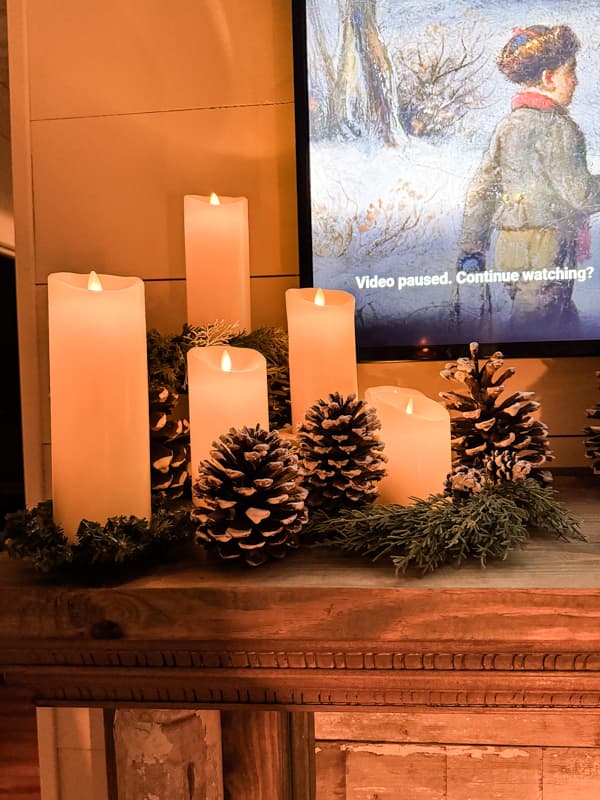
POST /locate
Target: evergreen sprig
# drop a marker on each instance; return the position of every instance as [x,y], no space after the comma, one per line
[32,536]
[435,531]
[166,360]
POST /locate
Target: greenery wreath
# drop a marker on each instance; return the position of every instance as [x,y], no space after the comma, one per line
[32,536]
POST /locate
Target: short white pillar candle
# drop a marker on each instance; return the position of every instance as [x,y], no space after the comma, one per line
[227,389]
[416,432]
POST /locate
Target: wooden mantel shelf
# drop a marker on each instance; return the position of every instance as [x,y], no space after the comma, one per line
[319,631]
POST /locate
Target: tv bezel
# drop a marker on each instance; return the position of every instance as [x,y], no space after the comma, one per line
[392,352]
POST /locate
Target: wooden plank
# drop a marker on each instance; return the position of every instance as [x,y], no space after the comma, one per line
[449,726]
[494,773]
[256,755]
[235,610]
[395,772]
[19,768]
[302,755]
[571,774]
[330,763]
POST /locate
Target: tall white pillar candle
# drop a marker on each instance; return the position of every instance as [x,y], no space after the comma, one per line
[98,398]
[322,347]
[217,269]
[227,389]
[416,432]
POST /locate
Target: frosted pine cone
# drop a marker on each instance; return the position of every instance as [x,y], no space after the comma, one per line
[505,465]
[249,496]
[463,482]
[483,421]
[169,444]
[341,455]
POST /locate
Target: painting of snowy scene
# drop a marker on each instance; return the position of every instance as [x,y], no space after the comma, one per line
[454,152]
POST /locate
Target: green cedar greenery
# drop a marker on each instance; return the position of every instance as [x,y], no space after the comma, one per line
[436,531]
[32,536]
[421,537]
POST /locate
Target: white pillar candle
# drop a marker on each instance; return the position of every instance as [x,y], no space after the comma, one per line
[416,432]
[227,389]
[322,347]
[217,268]
[98,398]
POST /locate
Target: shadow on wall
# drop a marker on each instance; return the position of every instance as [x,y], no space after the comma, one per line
[11,464]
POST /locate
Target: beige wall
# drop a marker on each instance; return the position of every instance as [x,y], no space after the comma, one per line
[121,108]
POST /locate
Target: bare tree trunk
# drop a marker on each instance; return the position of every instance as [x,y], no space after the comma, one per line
[365,93]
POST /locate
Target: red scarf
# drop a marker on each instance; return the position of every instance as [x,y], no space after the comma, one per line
[529,99]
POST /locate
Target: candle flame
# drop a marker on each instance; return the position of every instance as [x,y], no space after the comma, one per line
[214,199]
[319,297]
[94,283]
[409,406]
[226,361]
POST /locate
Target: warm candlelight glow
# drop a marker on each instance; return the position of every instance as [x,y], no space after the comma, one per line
[226,361]
[227,389]
[217,259]
[95,342]
[94,283]
[416,432]
[322,347]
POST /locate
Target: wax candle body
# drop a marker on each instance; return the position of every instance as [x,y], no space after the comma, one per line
[322,347]
[220,398]
[98,399]
[217,270]
[416,432]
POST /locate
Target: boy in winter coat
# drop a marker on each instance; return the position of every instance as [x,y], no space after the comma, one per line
[533,185]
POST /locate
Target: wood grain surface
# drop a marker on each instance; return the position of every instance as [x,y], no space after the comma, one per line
[374,771]
[19,770]
[318,630]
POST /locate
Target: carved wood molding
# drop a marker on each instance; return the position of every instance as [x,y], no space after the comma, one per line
[309,688]
[211,657]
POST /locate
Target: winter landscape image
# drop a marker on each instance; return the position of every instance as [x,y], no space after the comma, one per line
[457,201]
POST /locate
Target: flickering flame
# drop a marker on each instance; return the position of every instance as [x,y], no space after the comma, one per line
[226,361]
[214,199]
[94,283]
[409,406]
[319,297]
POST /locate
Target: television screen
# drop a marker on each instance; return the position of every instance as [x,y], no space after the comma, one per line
[449,171]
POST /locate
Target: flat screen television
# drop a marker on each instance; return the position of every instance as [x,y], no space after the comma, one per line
[454,202]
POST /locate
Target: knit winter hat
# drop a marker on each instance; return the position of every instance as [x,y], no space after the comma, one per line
[530,51]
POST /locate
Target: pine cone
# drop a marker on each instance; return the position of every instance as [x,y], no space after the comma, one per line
[592,442]
[483,422]
[169,444]
[463,482]
[506,465]
[249,496]
[341,456]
